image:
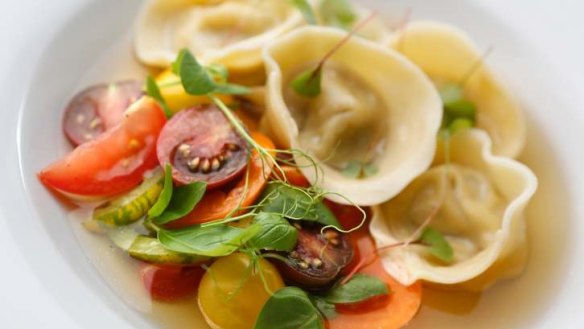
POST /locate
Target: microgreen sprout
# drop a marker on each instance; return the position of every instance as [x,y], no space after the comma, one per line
[308,83]
[306,10]
[339,13]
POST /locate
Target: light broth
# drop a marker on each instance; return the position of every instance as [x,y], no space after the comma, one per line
[511,304]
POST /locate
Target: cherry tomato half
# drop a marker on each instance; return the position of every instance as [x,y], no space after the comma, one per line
[202,145]
[169,283]
[97,109]
[218,203]
[384,312]
[115,161]
[317,259]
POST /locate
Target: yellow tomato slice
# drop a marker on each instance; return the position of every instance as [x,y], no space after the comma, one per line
[232,294]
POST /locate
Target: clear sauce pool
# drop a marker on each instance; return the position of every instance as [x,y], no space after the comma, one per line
[512,304]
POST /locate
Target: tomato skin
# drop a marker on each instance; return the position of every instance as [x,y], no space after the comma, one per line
[115,161]
[208,137]
[385,312]
[169,283]
[217,204]
[232,293]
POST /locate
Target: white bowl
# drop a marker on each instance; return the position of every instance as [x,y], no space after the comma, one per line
[54,284]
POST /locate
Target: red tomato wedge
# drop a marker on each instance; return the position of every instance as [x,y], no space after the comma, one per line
[217,204]
[169,283]
[115,161]
[386,312]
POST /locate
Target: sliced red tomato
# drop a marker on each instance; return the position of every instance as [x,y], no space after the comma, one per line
[115,161]
[169,283]
[218,203]
[202,145]
[385,312]
[97,109]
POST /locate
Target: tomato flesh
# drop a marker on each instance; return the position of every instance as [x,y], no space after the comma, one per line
[114,162]
[218,203]
[169,283]
[202,145]
[317,259]
[97,109]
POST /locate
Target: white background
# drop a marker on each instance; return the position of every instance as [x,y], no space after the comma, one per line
[555,27]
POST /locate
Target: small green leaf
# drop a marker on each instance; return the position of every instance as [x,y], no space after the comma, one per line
[451,93]
[219,72]
[338,13]
[165,196]
[328,310]
[307,83]
[150,250]
[460,124]
[211,241]
[276,233]
[370,170]
[461,109]
[353,169]
[289,308]
[296,204]
[175,66]
[231,89]
[184,199]
[195,78]
[357,169]
[439,247]
[153,91]
[361,287]
[306,10]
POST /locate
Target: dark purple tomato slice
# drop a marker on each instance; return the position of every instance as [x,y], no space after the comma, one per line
[317,259]
[97,109]
[201,145]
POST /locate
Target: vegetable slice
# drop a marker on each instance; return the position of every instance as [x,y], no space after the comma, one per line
[132,206]
[116,161]
[170,283]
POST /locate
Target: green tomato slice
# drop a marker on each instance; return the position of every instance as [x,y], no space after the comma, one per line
[149,250]
[132,206]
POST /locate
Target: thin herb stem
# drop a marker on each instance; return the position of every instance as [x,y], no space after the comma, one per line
[476,66]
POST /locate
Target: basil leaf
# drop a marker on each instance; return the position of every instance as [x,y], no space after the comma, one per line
[338,13]
[195,78]
[289,308]
[295,204]
[183,201]
[307,83]
[276,233]
[361,287]
[439,246]
[231,89]
[211,241]
[153,91]
[327,309]
[306,10]
[165,196]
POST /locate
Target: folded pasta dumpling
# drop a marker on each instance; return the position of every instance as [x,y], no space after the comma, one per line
[447,55]
[380,111]
[230,32]
[477,201]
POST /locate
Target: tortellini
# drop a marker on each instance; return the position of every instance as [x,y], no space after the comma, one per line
[230,32]
[479,198]
[380,109]
[447,55]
